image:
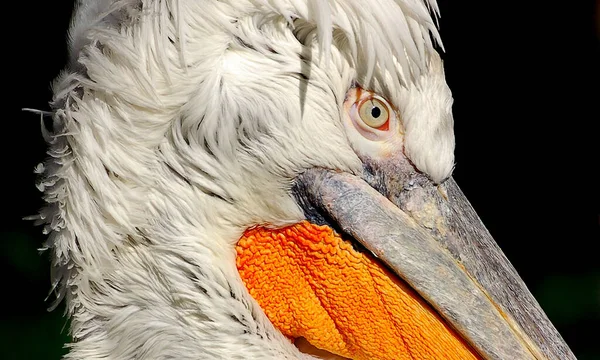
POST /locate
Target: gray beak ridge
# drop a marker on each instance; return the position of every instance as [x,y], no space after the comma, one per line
[430,236]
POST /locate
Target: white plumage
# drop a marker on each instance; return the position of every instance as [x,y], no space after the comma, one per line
[180,123]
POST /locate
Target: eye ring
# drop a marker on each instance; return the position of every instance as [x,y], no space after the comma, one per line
[375,113]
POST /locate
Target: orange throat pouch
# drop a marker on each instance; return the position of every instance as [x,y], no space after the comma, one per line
[313,284]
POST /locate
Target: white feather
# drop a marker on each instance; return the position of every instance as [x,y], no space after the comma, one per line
[179,123]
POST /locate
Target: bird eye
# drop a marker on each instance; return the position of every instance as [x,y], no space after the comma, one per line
[375,113]
[371,115]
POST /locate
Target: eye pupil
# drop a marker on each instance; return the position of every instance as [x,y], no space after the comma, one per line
[376,112]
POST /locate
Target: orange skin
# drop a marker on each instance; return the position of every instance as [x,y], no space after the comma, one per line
[312,284]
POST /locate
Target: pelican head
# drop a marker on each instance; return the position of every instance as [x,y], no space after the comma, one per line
[193,137]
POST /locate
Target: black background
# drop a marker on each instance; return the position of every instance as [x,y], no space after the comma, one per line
[525,79]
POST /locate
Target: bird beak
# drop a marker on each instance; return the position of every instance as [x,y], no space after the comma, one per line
[430,236]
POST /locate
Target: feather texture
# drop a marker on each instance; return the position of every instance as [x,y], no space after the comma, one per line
[180,123]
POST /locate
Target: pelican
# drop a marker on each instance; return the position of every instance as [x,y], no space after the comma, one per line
[270,179]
